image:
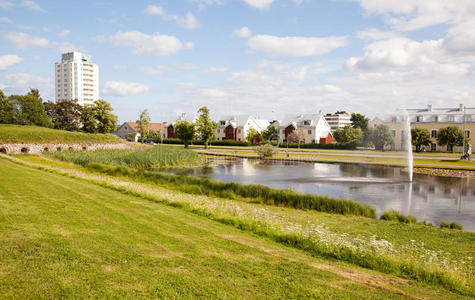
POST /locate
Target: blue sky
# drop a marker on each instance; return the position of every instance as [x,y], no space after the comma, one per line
[260,57]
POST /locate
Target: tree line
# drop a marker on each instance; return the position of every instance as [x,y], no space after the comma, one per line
[359,134]
[30,109]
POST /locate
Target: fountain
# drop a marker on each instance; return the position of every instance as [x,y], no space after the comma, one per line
[407,139]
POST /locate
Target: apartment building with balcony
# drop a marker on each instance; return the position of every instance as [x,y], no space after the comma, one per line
[338,120]
[432,119]
[76,78]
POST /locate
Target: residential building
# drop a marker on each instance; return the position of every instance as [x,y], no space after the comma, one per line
[170,129]
[338,120]
[76,78]
[236,127]
[315,127]
[125,130]
[432,119]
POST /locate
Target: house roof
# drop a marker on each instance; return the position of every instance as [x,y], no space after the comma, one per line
[240,121]
[182,117]
[151,126]
[299,120]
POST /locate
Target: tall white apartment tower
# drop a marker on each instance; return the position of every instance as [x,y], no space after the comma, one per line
[76,78]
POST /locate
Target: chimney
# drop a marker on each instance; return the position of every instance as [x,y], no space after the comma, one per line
[429,107]
[461,106]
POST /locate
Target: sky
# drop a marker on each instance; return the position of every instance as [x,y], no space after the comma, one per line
[266,58]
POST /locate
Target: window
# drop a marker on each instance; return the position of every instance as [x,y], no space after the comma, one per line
[219,131]
[393,132]
[450,118]
[467,134]
[420,119]
[433,147]
[435,118]
[222,122]
[310,132]
[306,122]
[239,131]
[433,133]
[468,118]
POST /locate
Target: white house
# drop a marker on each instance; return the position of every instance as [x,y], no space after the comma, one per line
[124,131]
[315,127]
[170,129]
[236,127]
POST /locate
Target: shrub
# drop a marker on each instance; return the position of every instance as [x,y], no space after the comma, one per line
[444,224]
[266,151]
[454,225]
[395,216]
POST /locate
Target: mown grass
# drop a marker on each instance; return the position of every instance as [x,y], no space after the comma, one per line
[66,238]
[426,254]
[156,157]
[33,134]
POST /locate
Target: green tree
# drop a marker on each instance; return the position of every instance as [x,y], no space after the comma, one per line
[6,110]
[450,136]
[98,117]
[185,131]
[143,123]
[88,118]
[65,114]
[359,121]
[252,135]
[29,110]
[270,133]
[106,120]
[349,136]
[205,127]
[420,137]
[381,136]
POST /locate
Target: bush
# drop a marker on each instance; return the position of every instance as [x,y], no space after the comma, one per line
[395,216]
[454,225]
[266,151]
[444,224]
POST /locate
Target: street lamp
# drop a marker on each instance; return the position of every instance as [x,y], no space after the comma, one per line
[463,150]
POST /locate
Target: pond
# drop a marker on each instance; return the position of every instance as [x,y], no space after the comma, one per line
[428,197]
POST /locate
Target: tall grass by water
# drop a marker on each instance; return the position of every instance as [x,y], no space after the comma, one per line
[156,157]
[231,190]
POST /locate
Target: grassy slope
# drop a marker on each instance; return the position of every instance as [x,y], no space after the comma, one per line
[33,134]
[64,237]
[411,242]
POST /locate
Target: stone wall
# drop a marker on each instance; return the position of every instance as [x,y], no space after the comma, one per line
[40,148]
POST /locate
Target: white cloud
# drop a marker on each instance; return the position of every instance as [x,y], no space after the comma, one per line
[213,93]
[68,47]
[21,82]
[295,45]
[243,32]
[260,4]
[155,44]
[203,3]
[36,58]
[123,88]
[30,5]
[64,33]
[376,34]
[187,22]
[23,41]
[160,70]
[6,4]
[6,61]
[408,15]
[5,20]
[218,69]
[120,68]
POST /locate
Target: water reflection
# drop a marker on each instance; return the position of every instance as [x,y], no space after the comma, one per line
[431,198]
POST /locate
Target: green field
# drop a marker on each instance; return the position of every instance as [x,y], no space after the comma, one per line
[149,158]
[68,238]
[424,255]
[33,134]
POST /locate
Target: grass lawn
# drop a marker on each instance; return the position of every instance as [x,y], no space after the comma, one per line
[33,134]
[359,240]
[68,238]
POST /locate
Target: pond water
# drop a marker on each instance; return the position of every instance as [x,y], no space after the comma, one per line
[428,197]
